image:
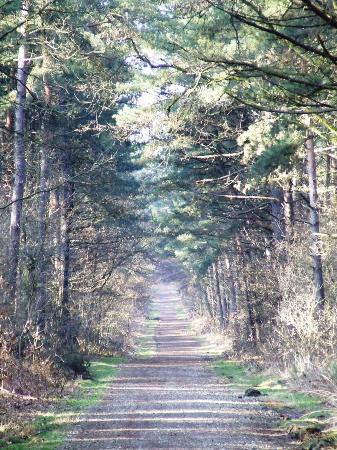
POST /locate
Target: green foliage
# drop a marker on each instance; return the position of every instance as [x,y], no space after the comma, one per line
[78,363]
[277,156]
[327,440]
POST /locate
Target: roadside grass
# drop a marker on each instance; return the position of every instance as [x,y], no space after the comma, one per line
[181,313]
[49,430]
[300,412]
[146,345]
[213,345]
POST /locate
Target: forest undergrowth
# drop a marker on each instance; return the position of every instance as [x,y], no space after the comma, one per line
[45,425]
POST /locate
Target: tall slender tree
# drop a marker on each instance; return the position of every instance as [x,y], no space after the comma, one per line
[19,154]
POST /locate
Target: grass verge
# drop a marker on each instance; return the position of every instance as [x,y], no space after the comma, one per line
[146,345]
[303,415]
[49,430]
[181,313]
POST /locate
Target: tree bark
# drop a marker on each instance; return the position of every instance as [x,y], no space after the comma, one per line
[66,208]
[206,300]
[210,293]
[43,211]
[224,292]
[289,212]
[333,177]
[277,213]
[55,220]
[247,294]
[316,249]
[251,315]
[218,296]
[328,179]
[231,285]
[19,158]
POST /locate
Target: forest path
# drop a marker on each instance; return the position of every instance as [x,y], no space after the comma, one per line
[172,400]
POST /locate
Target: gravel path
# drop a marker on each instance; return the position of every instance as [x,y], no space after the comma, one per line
[174,401]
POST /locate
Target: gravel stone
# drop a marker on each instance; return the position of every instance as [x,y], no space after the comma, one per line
[174,400]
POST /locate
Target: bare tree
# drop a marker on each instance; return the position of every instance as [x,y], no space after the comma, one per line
[43,205]
[314,221]
[19,157]
[66,209]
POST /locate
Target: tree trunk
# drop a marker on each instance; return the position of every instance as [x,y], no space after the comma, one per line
[19,159]
[314,222]
[218,296]
[231,285]
[223,290]
[42,212]
[207,303]
[55,220]
[277,213]
[247,294]
[289,212]
[66,205]
[333,177]
[251,315]
[328,179]
[210,293]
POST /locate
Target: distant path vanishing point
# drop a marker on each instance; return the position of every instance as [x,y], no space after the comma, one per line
[173,400]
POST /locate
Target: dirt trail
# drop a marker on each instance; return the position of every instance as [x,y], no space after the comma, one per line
[174,401]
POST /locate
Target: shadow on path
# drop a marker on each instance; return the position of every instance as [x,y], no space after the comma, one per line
[173,401]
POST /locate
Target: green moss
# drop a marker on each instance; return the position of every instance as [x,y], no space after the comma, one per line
[48,431]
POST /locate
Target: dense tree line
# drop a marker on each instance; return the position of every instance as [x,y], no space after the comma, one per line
[74,259]
[242,138]
[134,131]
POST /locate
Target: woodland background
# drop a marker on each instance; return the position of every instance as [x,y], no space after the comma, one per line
[200,133]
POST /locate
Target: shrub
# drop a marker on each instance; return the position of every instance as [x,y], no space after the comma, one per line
[77,363]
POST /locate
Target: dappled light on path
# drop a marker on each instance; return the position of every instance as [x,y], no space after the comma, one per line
[172,400]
